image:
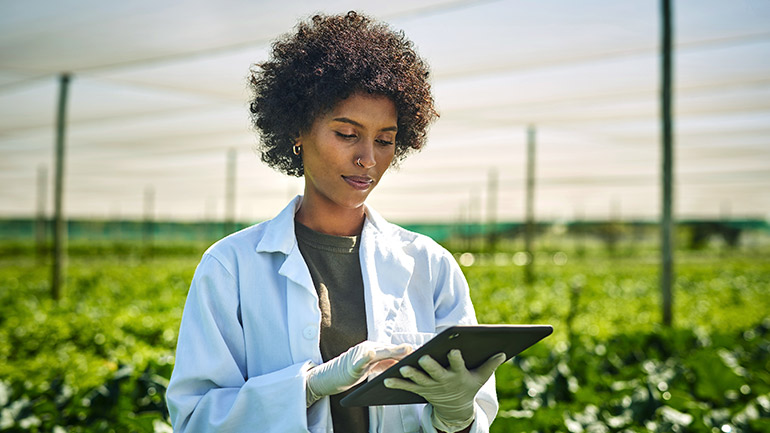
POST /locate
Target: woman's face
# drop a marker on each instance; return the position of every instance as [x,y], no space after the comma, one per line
[347,150]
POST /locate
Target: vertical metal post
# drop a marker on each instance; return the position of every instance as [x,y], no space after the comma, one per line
[667,223]
[60,225]
[461,227]
[492,210]
[41,223]
[580,231]
[149,217]
[230,191]
[475,220]
[529,232]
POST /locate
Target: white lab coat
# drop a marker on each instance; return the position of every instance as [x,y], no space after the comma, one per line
[251,327]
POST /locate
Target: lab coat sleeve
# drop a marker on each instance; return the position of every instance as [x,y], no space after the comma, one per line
[210,389]
[451,296]
[453,306]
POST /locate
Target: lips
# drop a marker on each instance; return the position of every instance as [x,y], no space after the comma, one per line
[359,182]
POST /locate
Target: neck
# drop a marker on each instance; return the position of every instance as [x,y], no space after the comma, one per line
[331,220]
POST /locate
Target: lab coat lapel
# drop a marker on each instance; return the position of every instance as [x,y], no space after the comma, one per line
[303,313]
[295,270]
[280,238]
[301,296]
[386,272]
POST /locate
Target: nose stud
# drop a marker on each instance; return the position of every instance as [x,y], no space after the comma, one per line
[358,163]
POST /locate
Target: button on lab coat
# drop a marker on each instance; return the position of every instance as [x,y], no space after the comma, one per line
[250,328]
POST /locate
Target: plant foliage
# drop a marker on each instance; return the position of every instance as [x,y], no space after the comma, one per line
[100,359]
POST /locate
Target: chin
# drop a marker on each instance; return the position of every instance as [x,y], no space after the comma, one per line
[353,203]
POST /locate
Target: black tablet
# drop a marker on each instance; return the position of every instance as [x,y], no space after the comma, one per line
[477,343]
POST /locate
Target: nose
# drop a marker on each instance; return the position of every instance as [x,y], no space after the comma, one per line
[365,155]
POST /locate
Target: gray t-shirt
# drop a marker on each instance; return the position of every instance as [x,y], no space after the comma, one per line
[335,268]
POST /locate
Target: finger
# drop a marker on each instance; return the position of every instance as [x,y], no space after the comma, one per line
[406,385]
[415,375]
[380,366]
[371,354]
[433,368]
[490,365]
[392,352]
[364,358]
[456,361]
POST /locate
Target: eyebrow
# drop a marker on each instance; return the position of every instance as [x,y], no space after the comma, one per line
[353,122]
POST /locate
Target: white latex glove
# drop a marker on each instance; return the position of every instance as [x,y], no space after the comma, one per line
[350,368]
[449,390]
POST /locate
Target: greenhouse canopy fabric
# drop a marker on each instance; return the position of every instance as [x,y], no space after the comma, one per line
[158,100]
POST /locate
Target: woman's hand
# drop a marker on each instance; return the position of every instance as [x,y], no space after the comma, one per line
[450,391]
[351,367]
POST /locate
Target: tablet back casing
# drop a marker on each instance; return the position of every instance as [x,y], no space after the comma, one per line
[477,343]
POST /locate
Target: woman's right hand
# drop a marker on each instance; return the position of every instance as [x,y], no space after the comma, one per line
[350,368]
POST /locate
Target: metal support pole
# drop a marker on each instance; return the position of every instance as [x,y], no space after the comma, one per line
[461,227]
[667,223]
[149,219]
[41,223]
[492,210]
[60,225]
[474,221]
[529,232]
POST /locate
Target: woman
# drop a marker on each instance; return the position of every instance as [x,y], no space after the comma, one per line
[285,317]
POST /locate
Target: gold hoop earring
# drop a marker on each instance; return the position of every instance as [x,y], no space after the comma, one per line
[296,149]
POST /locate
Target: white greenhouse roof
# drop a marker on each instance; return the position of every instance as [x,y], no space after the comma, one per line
[158,98]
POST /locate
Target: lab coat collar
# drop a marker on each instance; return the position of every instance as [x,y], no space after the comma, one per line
[279,232]
[280,237]
[386,268]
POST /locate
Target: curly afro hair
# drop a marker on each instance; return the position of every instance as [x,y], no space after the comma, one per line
[324,61]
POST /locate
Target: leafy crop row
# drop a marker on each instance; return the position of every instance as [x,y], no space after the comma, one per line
[100,359]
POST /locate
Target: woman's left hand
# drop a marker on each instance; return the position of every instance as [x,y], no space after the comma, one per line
[450,391]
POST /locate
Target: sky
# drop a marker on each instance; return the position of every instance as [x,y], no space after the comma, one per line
[158,101]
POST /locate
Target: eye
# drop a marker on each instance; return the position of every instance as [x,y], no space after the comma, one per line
[346,136]
[385,142]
